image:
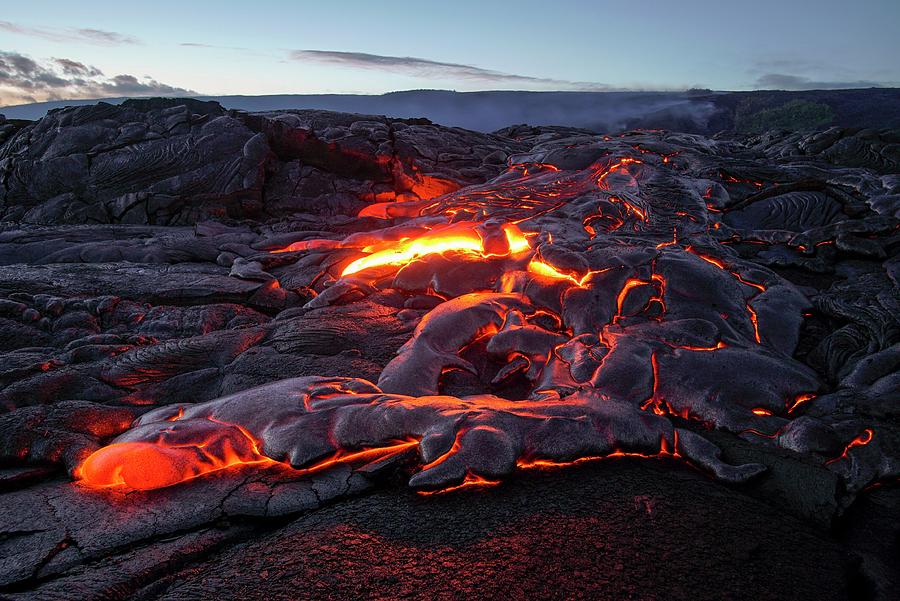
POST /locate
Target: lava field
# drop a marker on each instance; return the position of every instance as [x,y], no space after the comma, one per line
[305,354]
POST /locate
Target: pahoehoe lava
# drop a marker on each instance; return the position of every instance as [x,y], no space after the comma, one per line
[213,321]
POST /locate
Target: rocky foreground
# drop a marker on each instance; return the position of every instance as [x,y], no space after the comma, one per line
[320,355]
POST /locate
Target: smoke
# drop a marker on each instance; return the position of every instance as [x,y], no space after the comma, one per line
[490,111]
[481,111]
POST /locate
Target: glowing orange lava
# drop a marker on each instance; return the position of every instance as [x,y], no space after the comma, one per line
[391,210]
[656,280]
[470,481]
[601,179]
[623,293]
[860,441]
[479,231]
[549,464]
[755,321]
[152,465]
[463,237]
[539,267]
[751,312]
[803,398]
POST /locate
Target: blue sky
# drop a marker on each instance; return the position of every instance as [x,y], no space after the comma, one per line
[51,50]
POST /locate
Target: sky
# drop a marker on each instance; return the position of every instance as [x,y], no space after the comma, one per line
[65,50]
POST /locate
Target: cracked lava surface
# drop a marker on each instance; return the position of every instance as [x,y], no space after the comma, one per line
[567,298]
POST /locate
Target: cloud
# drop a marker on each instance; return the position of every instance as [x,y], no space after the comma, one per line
[129,85]
[105,38]
[210,46]
[422,67]
[23,80]
[98,37]
[70,67]
[781,81]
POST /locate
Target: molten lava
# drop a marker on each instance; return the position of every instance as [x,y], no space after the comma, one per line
[462,237]
[550,313]
[184,456]
[470,481]
[542,268]
[860,441]
[800,400]
[175,457]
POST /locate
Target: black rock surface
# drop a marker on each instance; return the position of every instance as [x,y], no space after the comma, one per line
[170,271]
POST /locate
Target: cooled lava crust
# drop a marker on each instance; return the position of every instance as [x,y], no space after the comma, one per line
[210,315]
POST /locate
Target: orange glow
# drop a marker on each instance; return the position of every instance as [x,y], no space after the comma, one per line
[538,464]
[481,223]
[516,239]
[759,287]
[721,265]
[641,215]
[623,293]
[654,399]
[527,168]
[615,223]
[152,465]
[615,167]
[538,267]
[470,481]
[661,293]
[733,180]
[860,441]
[307,245]
[707,349]
[460,237]
[758,433]
[672,242]
[453,449]
[390,210]
[799,401]
[713,260]
[655,279]
[549,464]
[755,321]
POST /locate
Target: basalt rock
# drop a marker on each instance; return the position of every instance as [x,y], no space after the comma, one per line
[254,314]
[173,163]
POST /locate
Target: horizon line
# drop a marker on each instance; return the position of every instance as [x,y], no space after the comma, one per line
[207,97]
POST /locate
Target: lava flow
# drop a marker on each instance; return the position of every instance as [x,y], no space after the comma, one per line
[462,237]
[860,441]
[177,456]
[557,316]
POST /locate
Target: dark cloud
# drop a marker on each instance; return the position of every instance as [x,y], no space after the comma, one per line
[23,80]
[97,37]
[422,67]
[70,67]
[781,81]
[129,85]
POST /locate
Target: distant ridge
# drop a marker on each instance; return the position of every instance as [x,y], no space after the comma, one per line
[698,111]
